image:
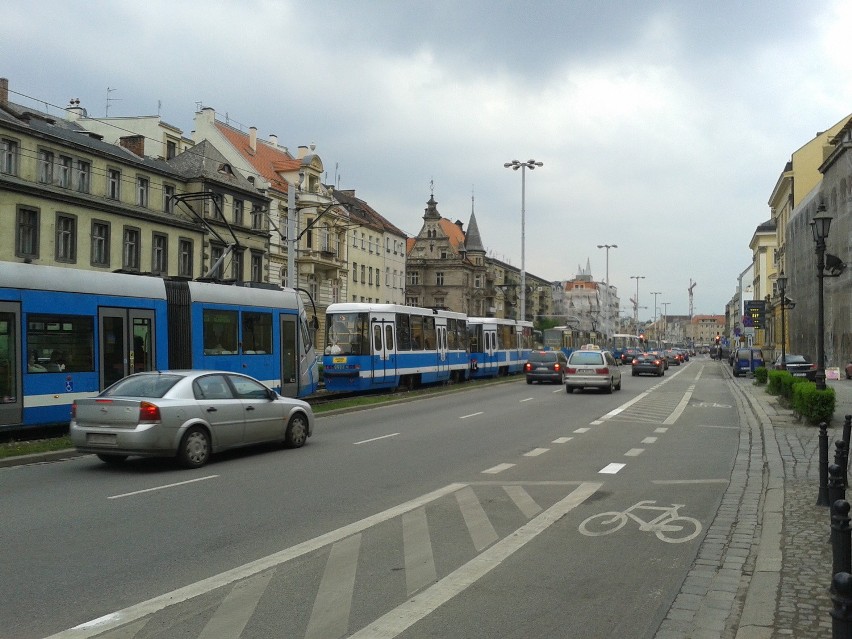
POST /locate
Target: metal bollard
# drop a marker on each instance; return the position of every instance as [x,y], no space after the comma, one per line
[836,483]
[841,457]
[847,428]
[822,497]
[841,537]
[841,615]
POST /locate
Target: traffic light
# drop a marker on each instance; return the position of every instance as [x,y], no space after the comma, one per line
[718,339]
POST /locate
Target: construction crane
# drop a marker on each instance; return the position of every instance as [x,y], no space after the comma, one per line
[691,286]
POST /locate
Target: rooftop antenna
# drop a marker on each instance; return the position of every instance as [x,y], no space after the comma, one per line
[109,100]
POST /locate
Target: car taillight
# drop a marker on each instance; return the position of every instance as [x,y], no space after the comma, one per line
[813,367]
[635,361]
[149,412]
[557,366]
[73,410]
[527,366]
[570,371]
[602,371]
[657,362]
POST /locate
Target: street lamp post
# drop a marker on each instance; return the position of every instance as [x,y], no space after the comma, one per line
[636,306]
[820,226]
[782,289]
[515,165]
[655,293]
[665,306]
[606,308]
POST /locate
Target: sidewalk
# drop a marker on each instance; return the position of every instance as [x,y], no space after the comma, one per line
[764,568]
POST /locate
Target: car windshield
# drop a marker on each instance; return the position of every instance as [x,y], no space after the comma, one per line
[797,359]
[586,358]
[142,386]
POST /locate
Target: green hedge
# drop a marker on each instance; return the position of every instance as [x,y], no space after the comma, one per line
[813,405]
[760,374]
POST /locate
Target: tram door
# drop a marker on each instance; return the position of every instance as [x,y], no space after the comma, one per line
[126,342]
[384,352]
[11,397]
[289,357]
[443,360]
[490,350]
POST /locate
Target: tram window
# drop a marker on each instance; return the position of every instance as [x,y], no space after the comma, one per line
[429,337]
[257,333]
[417,332]
[7,358]
[60,343]
[452,336]
[377,338]
[403,332]
[462,335]
[389,337]
[220,332]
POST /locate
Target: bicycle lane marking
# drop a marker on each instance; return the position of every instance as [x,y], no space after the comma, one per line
[668,525]
[407,614]
[628,404]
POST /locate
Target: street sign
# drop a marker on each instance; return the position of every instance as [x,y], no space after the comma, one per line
[755,311]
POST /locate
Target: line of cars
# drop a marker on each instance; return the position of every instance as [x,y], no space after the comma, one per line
[588,367]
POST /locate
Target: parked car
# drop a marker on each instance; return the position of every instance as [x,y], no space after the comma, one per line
[849,369]
[797,366]
[187,414]
[747,360]
[546,366]
[648,363]
[592,369]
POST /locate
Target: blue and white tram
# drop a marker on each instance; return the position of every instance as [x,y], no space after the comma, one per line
[498,346]
[68,333]
[373,346]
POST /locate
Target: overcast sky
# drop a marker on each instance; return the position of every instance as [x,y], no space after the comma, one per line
[662,126]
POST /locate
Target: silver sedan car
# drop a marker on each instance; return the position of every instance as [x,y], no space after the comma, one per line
[592,369]
[187,414]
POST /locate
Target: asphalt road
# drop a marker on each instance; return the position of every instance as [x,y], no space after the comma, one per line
[470,514]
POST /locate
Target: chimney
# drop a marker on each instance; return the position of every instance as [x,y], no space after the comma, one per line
[273,140]
[253,138]
[133,143]
[303,151]
[4,91]
[75,111]
[209,114]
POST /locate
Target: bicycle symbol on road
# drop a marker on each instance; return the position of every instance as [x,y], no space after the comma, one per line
[669,525]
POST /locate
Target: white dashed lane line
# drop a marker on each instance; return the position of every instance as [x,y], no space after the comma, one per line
[499,468]
[634,452]
[535,452]
[611,469]
[562,440]
[471,415]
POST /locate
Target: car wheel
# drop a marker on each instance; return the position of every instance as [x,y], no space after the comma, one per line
[194,449]
[618,386]
[111,459]
[297,431]
[635,374]
[608,389]
[568,389]
[529,381]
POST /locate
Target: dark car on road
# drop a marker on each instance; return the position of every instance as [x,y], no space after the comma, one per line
[797,366]
[546,366]
[648,363]
[628,354]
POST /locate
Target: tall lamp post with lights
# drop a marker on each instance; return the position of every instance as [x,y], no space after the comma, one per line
[636,312]
[820,226]
[606,316]
[782,290]
[515,165]
[656,330]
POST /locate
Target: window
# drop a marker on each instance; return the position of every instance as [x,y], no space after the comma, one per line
[354,239]
[309,233]
[66,238]
[184,257]
[45,167]
[142,185]
[8,156]
[362,241]
[477,280]
[159,253]
[100,243]
[84,171]
[26,241]
[354,271]
[171,149]
[377,276]
[257,217]
[256,267]
[60,343]
[439,278]
[413,278]
[387,276]
[238,212]
[237,265]
[363,274]
[257,333]
[168,202]
[370,272]
[220,331]
[132,247]
[216,253]
[114,184]
[66,170]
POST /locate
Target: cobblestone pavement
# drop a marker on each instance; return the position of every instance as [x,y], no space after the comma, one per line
[764,568]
